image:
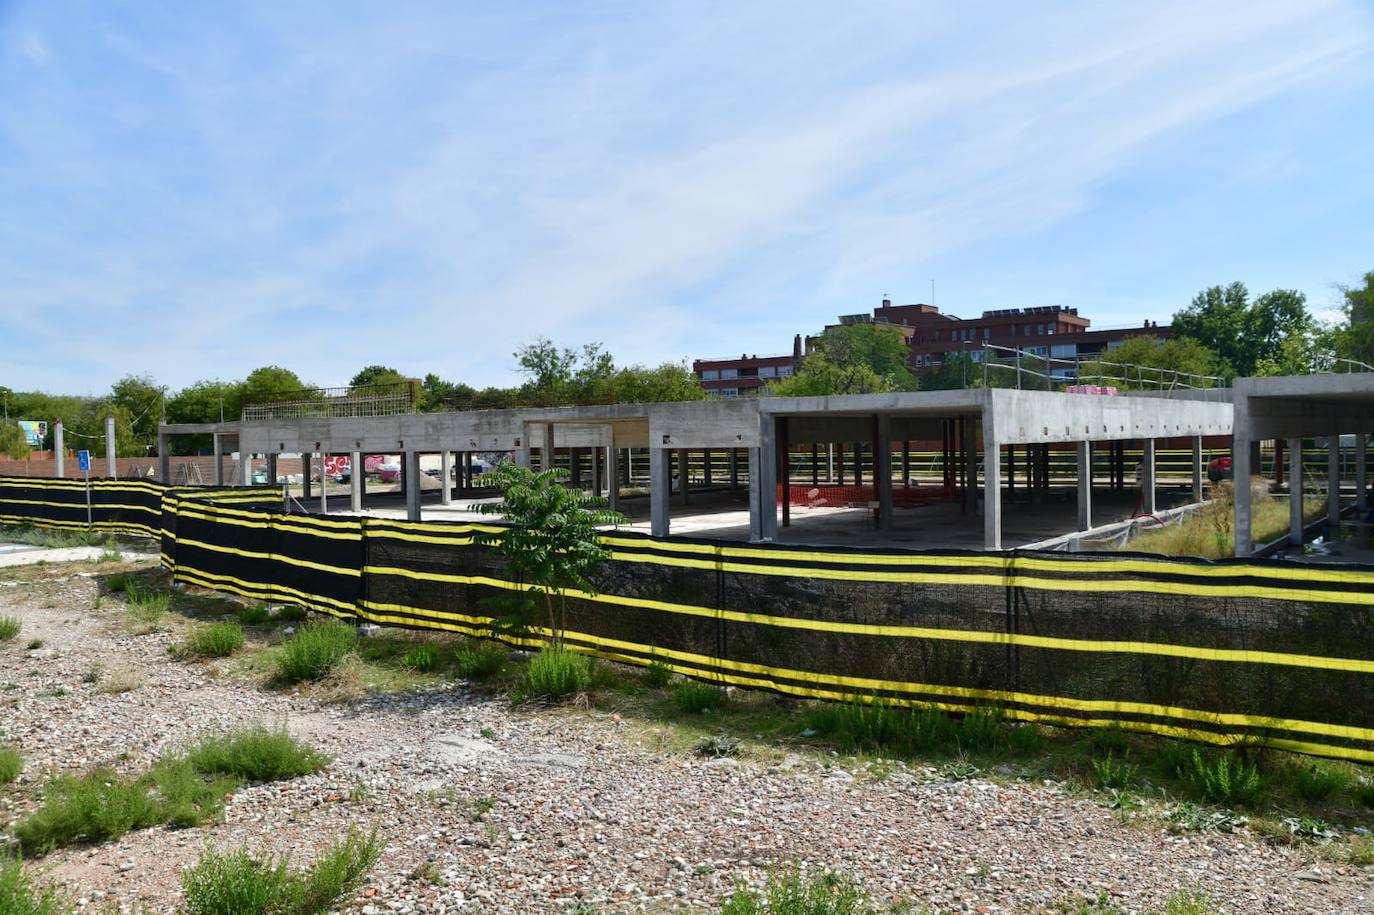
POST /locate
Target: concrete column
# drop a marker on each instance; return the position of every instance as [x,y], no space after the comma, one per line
[245,468]
[307,461]
[756,507]
[410,474]
[992,487]
[763,484]
[1197,468]
[785,470]
[59,446]
[355,482]
[324,484]
[682,486]
[445,476]
[575,468]
[971,460]
[1240,467]
[598,457]
[217,449]
[706,467]
[882,469]
[1295,491]
[164,458]
[546,456]
[111,465]
[660,484]
[522,453]
[734,468]
[613,478]
[1333,480]
[1148,502]
[1085,486]
[271,468]
[1361,475]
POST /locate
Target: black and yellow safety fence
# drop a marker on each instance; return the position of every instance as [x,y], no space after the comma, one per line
[1272,652]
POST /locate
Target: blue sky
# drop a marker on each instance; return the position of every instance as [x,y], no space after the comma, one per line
[193,190]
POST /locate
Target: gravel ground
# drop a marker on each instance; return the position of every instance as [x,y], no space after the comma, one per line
[582,810]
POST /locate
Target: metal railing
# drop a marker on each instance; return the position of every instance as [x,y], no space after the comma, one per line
[360,400]
[1338,365]
[1028,370]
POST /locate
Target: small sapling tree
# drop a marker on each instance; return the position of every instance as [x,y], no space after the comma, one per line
[551,543]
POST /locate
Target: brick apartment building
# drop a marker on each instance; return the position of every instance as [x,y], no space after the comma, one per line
[747,374]
[1054,331]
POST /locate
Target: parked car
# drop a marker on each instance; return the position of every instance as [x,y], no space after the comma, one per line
[1219,468]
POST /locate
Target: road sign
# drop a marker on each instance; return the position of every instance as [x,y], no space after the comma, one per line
[83,461]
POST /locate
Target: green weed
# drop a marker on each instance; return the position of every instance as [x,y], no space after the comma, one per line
[1223,778]
[256,754]
[315,650]
[9,628]
[290,613]
[1313,783]
[657,675]
[254,614]
[215,640]
[423,658]
[1109,773]
[18,895]
[11,764]
[478,662]
[695,698]
[556,672]
[981,729]
[793,893]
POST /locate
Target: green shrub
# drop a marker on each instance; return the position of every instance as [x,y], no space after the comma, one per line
[18,895]
[657,675]
[874,726]
[253,614]
[1025,739]
[11,764]
[102,805]
[215,640]
[601,675]
[236,883]
[1363,790]
[556,672]
[1109,740]
[315,650]
[478,662]
[121,584]
[423,658]
[1109,773]
[147,605]
[291,614]
[256,754]
[1190,902]
[1313,783]
[792,893]
[1224,778]
[9,628]
[694,698]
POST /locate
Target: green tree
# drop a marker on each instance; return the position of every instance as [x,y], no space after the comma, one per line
[203,402]
[548,372]
[12,442]
[551,545]
[1354,337]
[666,383]
[1242,334]
[274,383]
[376,374]
[852,359]
[141,401]
[1181,355]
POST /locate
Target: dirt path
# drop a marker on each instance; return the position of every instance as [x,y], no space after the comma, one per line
[491,809]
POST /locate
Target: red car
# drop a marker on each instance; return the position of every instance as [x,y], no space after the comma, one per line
[1219,469]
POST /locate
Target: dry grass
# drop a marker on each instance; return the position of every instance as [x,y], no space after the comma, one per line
[1209,533]
[123,677]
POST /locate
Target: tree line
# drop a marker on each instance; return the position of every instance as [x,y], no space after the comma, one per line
[552,376]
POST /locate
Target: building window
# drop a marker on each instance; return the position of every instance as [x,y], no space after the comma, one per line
[1049,329]
[729,373]
[728,392]
[767,371]
[987,333]
[784,371]
[710,375]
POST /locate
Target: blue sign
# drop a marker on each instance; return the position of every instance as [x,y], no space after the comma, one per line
[83,460]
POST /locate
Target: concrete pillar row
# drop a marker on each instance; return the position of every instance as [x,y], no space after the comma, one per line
[59,444]
[245,468]
[1295,491]
[660,485]
[682,485]
[1197,468]
[1085,486]
[992,487]
[446,477]
[763,480]
[355,482]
